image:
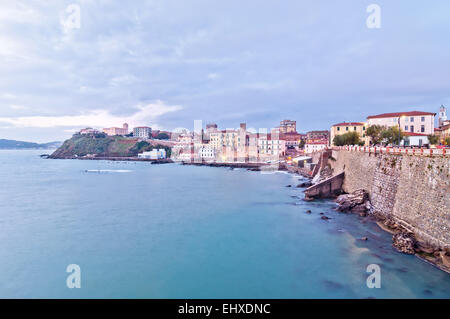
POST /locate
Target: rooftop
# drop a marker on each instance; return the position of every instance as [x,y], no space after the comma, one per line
[349,124]
[413,134]
[398,114]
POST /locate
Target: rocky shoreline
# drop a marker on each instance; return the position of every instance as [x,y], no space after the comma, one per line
[116,159]
[403,240]
[249,166]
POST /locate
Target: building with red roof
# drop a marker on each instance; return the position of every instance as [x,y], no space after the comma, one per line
[411,121]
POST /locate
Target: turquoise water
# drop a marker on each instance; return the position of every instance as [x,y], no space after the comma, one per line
[169,231]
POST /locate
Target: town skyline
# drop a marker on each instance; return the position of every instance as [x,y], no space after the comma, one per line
[167,64]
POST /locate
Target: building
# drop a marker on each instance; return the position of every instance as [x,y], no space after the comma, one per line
[288,126]
[292,140]
[270,145]
[413,122]
[229,138]
[142,132]
[414,139]
[154,154]
[345,127]
[88,131]
[116,130]
[442,117]
[301,161]
[443,132]
[206,152]
[314,135]
[312,146]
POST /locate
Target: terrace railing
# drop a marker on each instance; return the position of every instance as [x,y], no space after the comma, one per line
[396,150]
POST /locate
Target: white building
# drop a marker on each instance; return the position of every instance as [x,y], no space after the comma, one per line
[142,132]
[154,154]
[311,147]
[207,153]
[414,139]
[413,122]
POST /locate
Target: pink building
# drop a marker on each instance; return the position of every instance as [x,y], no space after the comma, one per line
[413,122]
[116,130]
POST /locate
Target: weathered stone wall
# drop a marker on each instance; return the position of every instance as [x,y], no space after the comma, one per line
[412,190]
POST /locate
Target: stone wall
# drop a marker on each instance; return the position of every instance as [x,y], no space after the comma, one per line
[412,190]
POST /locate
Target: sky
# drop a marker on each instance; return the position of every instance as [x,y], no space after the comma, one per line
[66,65]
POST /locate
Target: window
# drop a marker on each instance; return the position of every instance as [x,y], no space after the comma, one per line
[364,128]
[412,128]
[338,128]
[406,119]
[422,128]
[346,128]
[354,128]
[423,119]
[406,127]
[412,119]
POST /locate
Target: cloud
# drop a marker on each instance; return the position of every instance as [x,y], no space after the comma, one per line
[123,80]
[213,76]
[18,107]
[146,114]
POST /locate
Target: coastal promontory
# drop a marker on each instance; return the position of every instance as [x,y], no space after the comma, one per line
[103,146]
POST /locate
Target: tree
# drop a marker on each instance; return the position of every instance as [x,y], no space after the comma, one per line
[433,139]
[162,136]
[391,135]
[301,145]
[374,132]
[350,138]
[447,140]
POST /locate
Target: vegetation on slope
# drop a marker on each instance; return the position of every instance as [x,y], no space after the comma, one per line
[101,145]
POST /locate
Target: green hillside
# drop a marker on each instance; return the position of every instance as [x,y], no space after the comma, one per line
[101,145]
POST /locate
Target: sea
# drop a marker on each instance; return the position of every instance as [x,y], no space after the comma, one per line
[137,230]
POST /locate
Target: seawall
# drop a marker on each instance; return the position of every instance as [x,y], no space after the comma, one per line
[412,190]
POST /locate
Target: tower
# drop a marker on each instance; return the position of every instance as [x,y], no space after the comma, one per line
[442,115]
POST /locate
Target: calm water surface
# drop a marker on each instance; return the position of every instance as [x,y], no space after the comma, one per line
[169,231]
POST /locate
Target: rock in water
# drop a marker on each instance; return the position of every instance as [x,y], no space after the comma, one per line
[356,202]
[404,243]
[304,185]
[445,258]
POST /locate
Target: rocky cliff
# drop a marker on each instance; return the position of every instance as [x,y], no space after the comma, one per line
[101,145]
[408,193]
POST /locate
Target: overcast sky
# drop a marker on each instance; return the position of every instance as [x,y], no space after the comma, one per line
[166,63]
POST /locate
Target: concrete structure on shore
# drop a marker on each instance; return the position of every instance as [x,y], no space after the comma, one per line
[154,154]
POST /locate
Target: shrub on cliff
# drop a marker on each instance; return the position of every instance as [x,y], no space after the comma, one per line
[374,132]
[350,138]
[433,139]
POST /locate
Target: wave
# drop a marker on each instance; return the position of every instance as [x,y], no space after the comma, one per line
[108,171]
